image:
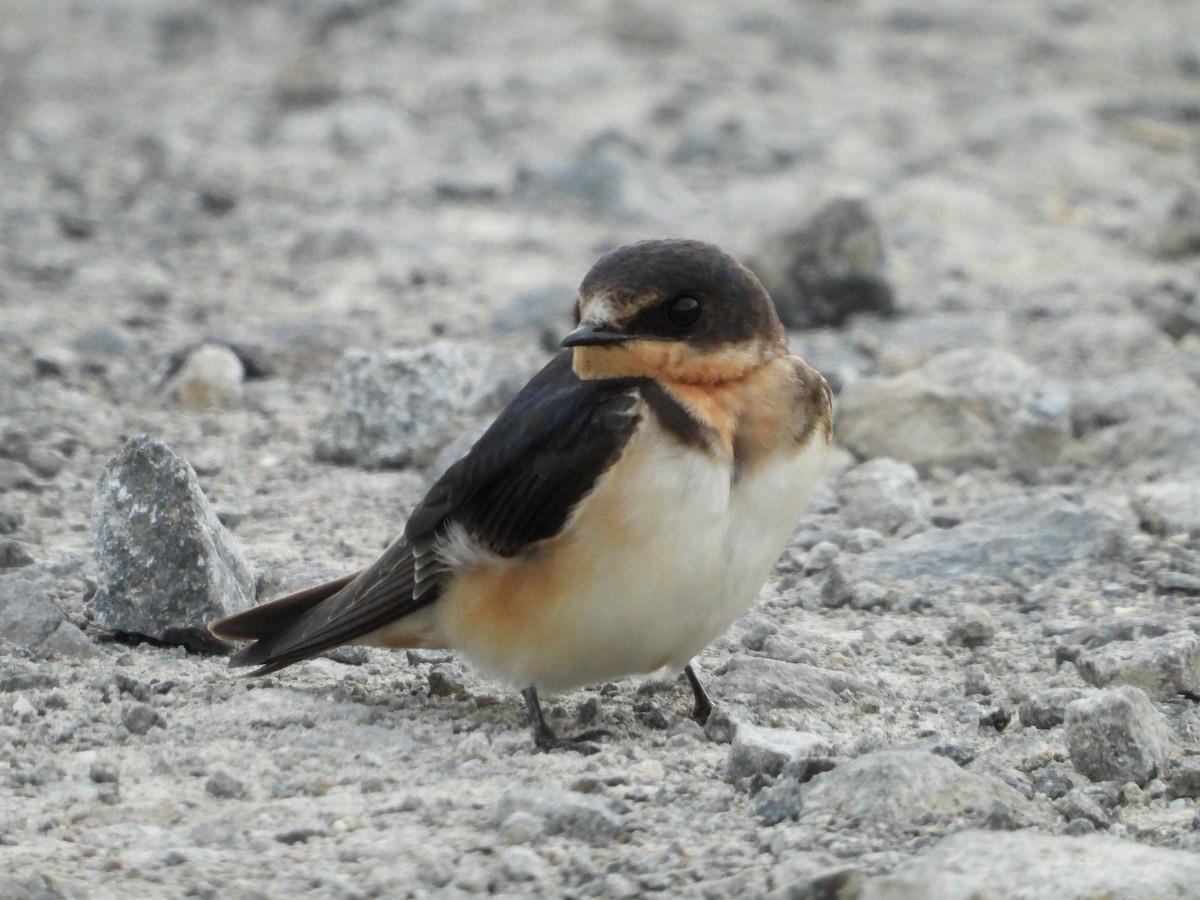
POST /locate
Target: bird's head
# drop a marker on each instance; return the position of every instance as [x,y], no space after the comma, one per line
[675,310]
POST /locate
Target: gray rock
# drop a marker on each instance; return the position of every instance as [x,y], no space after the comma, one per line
[166,566]
[445,680]
[1098,345]
[303,833]
[210,378]
[222,784]
[291,350]
[546,307]
[765,751]
[976,681]
[645,26]
[1141,396]
[30,619]
[104,343]
[1117,735]
[610,179]
[977,864]
[883,494]
[760,683]
[961,410]
[1075,804]
[1163,667]
[1165,449]
[104,772]
[582,817]
[1181,582]
[521,864]
[839,883]
[972,626]
[321,246]
[1171,303]
[400,407]
[16,476]
[1056,783]
[897,345]
[896,788]
[780,801]
[828,268]
[139,718]
[1183,778]
[1048,709]
[1179,232]
[1168,508]
[1016,540]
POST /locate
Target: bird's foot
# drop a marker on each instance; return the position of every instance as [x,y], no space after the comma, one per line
[546,740]
[703,707]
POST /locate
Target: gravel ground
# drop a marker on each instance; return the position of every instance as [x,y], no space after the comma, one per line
[977,668]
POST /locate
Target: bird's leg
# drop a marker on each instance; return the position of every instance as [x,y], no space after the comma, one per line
[703,707]
[545,739]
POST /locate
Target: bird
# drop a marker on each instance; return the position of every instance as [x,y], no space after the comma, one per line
[619,514]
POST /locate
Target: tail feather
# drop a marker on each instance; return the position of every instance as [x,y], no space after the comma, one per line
[307,623]
[267,623]
[271,618]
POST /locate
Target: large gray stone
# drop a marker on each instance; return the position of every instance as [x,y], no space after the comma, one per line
[1117,735]
[972,865]
[1163,448]
[31,620]
[896,788]
[579,816]
[400,407]
[1139,396]
[209,378]
[760,683]
[961,410]
[765,751]
[1179,232]
[1048,709]
[1019,539]
[883,494]
[827,268]
[1163,667]
[1091,344]
[897,345]
[166,566]
[1171,507]
[609,179]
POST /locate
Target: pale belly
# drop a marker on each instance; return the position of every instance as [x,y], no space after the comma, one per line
[657,561]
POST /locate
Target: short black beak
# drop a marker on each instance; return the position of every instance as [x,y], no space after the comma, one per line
[591,334]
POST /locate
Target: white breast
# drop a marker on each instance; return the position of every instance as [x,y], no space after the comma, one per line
[662,556]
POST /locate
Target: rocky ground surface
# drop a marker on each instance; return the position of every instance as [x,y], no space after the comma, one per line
[309,247]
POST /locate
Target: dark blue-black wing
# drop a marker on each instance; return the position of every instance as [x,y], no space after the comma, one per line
[516,486]
[541,456]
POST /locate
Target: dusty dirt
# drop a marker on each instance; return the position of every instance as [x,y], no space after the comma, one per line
[295,179]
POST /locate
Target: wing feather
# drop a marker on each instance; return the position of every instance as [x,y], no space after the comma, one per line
[516,486]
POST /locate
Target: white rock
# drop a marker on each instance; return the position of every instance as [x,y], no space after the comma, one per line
[1117,735]
[977,864]
[756,750]
[1169,507]
[210,378]
[962,409]
[883,494]
[1163,666]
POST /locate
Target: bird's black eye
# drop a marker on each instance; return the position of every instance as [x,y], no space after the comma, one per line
[684,312]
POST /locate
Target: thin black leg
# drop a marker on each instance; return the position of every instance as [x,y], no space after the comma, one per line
[703,707]
[544,737]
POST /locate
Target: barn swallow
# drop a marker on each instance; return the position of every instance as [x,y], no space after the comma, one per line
[618,515]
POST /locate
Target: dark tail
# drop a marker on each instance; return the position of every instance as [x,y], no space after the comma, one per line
[266,623]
